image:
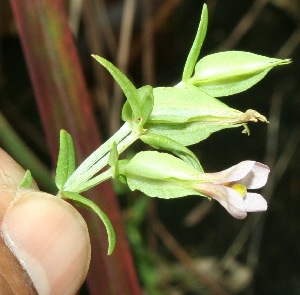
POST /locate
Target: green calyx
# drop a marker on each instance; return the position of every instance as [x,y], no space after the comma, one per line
[161,175]
[188,115]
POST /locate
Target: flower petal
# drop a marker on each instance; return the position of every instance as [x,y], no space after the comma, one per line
[254,203]
[232,174]
[231,200]
[257,177]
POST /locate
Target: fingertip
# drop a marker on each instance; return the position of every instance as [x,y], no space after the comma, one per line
[50,239]
[13,279]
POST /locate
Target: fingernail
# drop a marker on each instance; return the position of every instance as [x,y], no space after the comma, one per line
[50,239]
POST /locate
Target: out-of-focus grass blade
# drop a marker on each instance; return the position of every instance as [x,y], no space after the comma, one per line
[14,145]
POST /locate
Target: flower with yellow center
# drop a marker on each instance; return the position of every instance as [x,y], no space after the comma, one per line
[230,187]
[165,176]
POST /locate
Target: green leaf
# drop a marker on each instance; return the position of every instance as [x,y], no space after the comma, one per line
[113,159]
[66,159]
[196,47]
[160,175]
[126,85]
[166,143]
[92,206]
[27,180]
[231,72]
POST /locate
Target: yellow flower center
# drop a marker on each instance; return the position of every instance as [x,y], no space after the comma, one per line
[241,189]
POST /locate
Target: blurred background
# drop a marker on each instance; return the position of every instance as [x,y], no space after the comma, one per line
[184,246]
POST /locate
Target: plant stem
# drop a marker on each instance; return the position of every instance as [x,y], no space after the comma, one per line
[124,137]
[94,181]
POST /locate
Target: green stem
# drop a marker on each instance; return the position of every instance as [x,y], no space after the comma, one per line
[95,181]
[124,137]
[89,162]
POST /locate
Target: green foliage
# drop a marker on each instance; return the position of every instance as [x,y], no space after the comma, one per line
[140,101]
[196,47]
[88,204]
[65,168]
[66,159]
[126,85]
[27,180]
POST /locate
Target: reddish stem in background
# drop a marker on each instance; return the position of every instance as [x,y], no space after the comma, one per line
[63,102]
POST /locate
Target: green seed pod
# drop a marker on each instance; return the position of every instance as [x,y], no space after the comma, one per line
[230,72]
[188,115]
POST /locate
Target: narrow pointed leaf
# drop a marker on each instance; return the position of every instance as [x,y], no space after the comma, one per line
[66,159]
[93,207]
[196,47]
[126,85]
[27,180]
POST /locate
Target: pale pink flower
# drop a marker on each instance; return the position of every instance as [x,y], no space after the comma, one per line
[229,187]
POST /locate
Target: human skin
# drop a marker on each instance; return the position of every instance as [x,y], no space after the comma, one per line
[44,241]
